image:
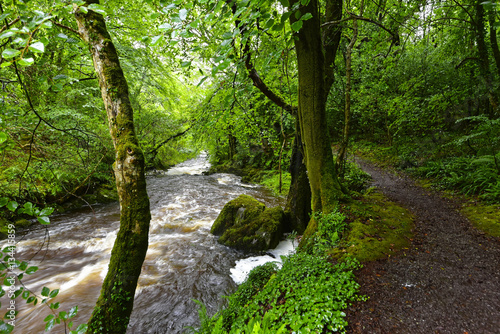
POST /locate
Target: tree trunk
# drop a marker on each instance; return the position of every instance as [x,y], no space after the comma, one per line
[298,201]
[493,38]
[484,66]
[341,155]
[113,308]
[324,183]
[331,40]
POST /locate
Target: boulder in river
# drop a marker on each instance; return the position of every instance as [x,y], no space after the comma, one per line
[245,223]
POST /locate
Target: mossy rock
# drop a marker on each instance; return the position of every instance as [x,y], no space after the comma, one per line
[23,223]
[245,223]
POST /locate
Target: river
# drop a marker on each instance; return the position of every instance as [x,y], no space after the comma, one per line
[184,261]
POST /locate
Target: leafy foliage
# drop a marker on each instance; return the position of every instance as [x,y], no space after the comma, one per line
[308,294]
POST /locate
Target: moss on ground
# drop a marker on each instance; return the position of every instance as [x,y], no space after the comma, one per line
[484,217]
[377,228]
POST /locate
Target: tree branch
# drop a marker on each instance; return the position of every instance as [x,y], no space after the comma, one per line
[356,17]
[465,60]
[7,26]
[258,83]
[154,151]
[65,27]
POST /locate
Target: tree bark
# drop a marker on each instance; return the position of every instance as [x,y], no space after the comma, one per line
[324,183]
[484,67]
[493,39]
[331,40]
[115,303]
[341,155]
[298,201]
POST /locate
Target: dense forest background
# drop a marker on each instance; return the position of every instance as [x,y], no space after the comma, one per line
[413,83]
[423,85]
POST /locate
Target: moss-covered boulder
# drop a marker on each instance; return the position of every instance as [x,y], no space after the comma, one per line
[245,223]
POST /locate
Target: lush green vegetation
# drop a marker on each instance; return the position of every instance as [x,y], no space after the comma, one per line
[308,294]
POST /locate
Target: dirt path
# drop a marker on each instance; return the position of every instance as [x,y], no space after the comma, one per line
[447,282]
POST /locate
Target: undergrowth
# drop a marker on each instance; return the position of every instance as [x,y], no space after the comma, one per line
[307,295]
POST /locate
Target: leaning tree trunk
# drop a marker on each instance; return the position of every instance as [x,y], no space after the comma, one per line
[113,308]
[324,183]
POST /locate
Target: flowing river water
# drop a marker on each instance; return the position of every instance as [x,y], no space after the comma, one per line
[184,261]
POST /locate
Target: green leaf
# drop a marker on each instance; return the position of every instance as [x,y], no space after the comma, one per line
[45,291]
[285,3]
[49,317]
[31,270]
[297,25]
[23,266]
[304,2]
[28,208]
[165,26]
[3,137]
[25,294]
[54,293]
[63,315]
[62,36]
[10,53]
[98,8]
[202,81]
[26,61]
[185,64]
[5,64]
[81,329]
[37,47]
[12,206]
[30,300]
[7,282]
[306,16]
[46,211]
[156,40]
[84,9]
[8,33]
[269,23]
[4,16]
[183,14]
[5,328]
[73,312]
[47,24]
[51,323]
[44,220]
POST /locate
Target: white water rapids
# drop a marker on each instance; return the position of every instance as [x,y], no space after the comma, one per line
[184,261]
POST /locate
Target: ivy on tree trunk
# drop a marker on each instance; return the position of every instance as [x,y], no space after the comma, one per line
[113,308]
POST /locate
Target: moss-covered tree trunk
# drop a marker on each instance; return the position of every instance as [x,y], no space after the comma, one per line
[113,308]
[324,183]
